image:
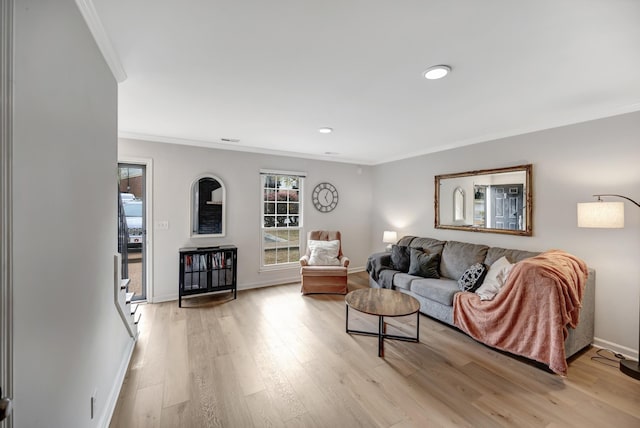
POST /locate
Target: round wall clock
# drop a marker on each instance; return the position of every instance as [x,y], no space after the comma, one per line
[325,197]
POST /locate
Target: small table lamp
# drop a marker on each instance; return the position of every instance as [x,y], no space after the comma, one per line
[608,215]
[389,237]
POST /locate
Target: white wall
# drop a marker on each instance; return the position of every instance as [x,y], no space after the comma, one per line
[69,339]
[569,165]
[175,167]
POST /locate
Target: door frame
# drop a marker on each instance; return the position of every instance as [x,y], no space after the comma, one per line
[148,218]
[6,201]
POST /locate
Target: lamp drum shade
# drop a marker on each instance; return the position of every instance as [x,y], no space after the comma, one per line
[609,215]
[389,237]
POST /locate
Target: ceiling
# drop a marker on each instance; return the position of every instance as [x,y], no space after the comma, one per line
[271,73]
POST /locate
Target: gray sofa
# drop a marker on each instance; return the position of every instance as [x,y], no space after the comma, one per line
[436,295]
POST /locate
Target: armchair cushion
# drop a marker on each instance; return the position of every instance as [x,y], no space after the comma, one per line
[324,253]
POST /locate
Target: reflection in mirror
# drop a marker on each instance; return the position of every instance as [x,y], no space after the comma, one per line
[207,207]
[458,205]
[502,201]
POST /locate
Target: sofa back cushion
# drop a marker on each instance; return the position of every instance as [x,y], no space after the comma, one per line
[405,240]
[514,256]
[428,245]
[458,256]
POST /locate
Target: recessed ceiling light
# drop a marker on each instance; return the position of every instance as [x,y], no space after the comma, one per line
[325,130]
[437,72]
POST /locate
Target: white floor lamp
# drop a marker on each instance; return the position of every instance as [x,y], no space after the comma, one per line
[609,215]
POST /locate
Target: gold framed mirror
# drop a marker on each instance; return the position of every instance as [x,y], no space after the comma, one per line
[496,200]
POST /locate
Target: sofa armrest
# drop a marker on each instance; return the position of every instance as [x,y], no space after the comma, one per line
[304,261]
[344,261]
[378,260]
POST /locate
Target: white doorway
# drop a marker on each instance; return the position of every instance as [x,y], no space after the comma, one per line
[6,209]
[134,188]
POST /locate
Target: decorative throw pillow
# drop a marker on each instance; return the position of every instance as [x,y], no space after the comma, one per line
[324,253]
[495,279]
[472,278]
[424,264]
[400,258]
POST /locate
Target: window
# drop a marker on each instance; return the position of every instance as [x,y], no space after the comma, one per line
[281,217]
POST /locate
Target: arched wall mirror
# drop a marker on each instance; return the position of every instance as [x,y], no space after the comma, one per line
[458,205]
[492,200]
[208,198]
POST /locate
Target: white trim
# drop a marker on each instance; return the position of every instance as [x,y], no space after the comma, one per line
[605,344]
[248,286]
[112,399]
[280,172]
[593,114]
[148,200]
[6,201]
[252,285]
[129,135]
[91,17]
[559,122]
[279,267]
[263,229]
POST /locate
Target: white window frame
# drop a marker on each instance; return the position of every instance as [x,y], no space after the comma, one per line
[300,176]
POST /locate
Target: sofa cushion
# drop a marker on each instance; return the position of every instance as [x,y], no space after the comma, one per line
[458,256]
[495,279]
[472,278]
[428,245]
[323,271]
[439,290]
[403,280]
[400,258]
[405,241]
[513,256]
[424,264]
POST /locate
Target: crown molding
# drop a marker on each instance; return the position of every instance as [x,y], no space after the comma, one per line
[88,11]
[541,126]
[126,135]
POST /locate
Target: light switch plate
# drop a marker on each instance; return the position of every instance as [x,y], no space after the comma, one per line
[162,225]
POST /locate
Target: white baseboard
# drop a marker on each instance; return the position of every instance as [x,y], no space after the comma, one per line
[605,344]
[164,298]
[112,400]
[260,284]
[250,285]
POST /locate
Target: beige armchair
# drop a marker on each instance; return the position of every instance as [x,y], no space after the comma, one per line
[324,267]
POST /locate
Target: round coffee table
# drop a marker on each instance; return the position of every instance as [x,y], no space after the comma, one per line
[382,303]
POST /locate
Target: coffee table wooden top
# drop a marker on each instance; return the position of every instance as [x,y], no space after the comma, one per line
[382,302]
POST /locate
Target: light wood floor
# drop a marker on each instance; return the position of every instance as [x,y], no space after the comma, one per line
[274,358]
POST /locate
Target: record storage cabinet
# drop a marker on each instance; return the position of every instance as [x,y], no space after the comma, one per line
[207,270]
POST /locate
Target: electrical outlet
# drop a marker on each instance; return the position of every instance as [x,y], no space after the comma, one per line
[162,225]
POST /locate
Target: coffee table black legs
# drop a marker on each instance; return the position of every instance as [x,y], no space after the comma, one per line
[382,332]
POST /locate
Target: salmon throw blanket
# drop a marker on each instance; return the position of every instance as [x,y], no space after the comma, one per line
[530,315]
